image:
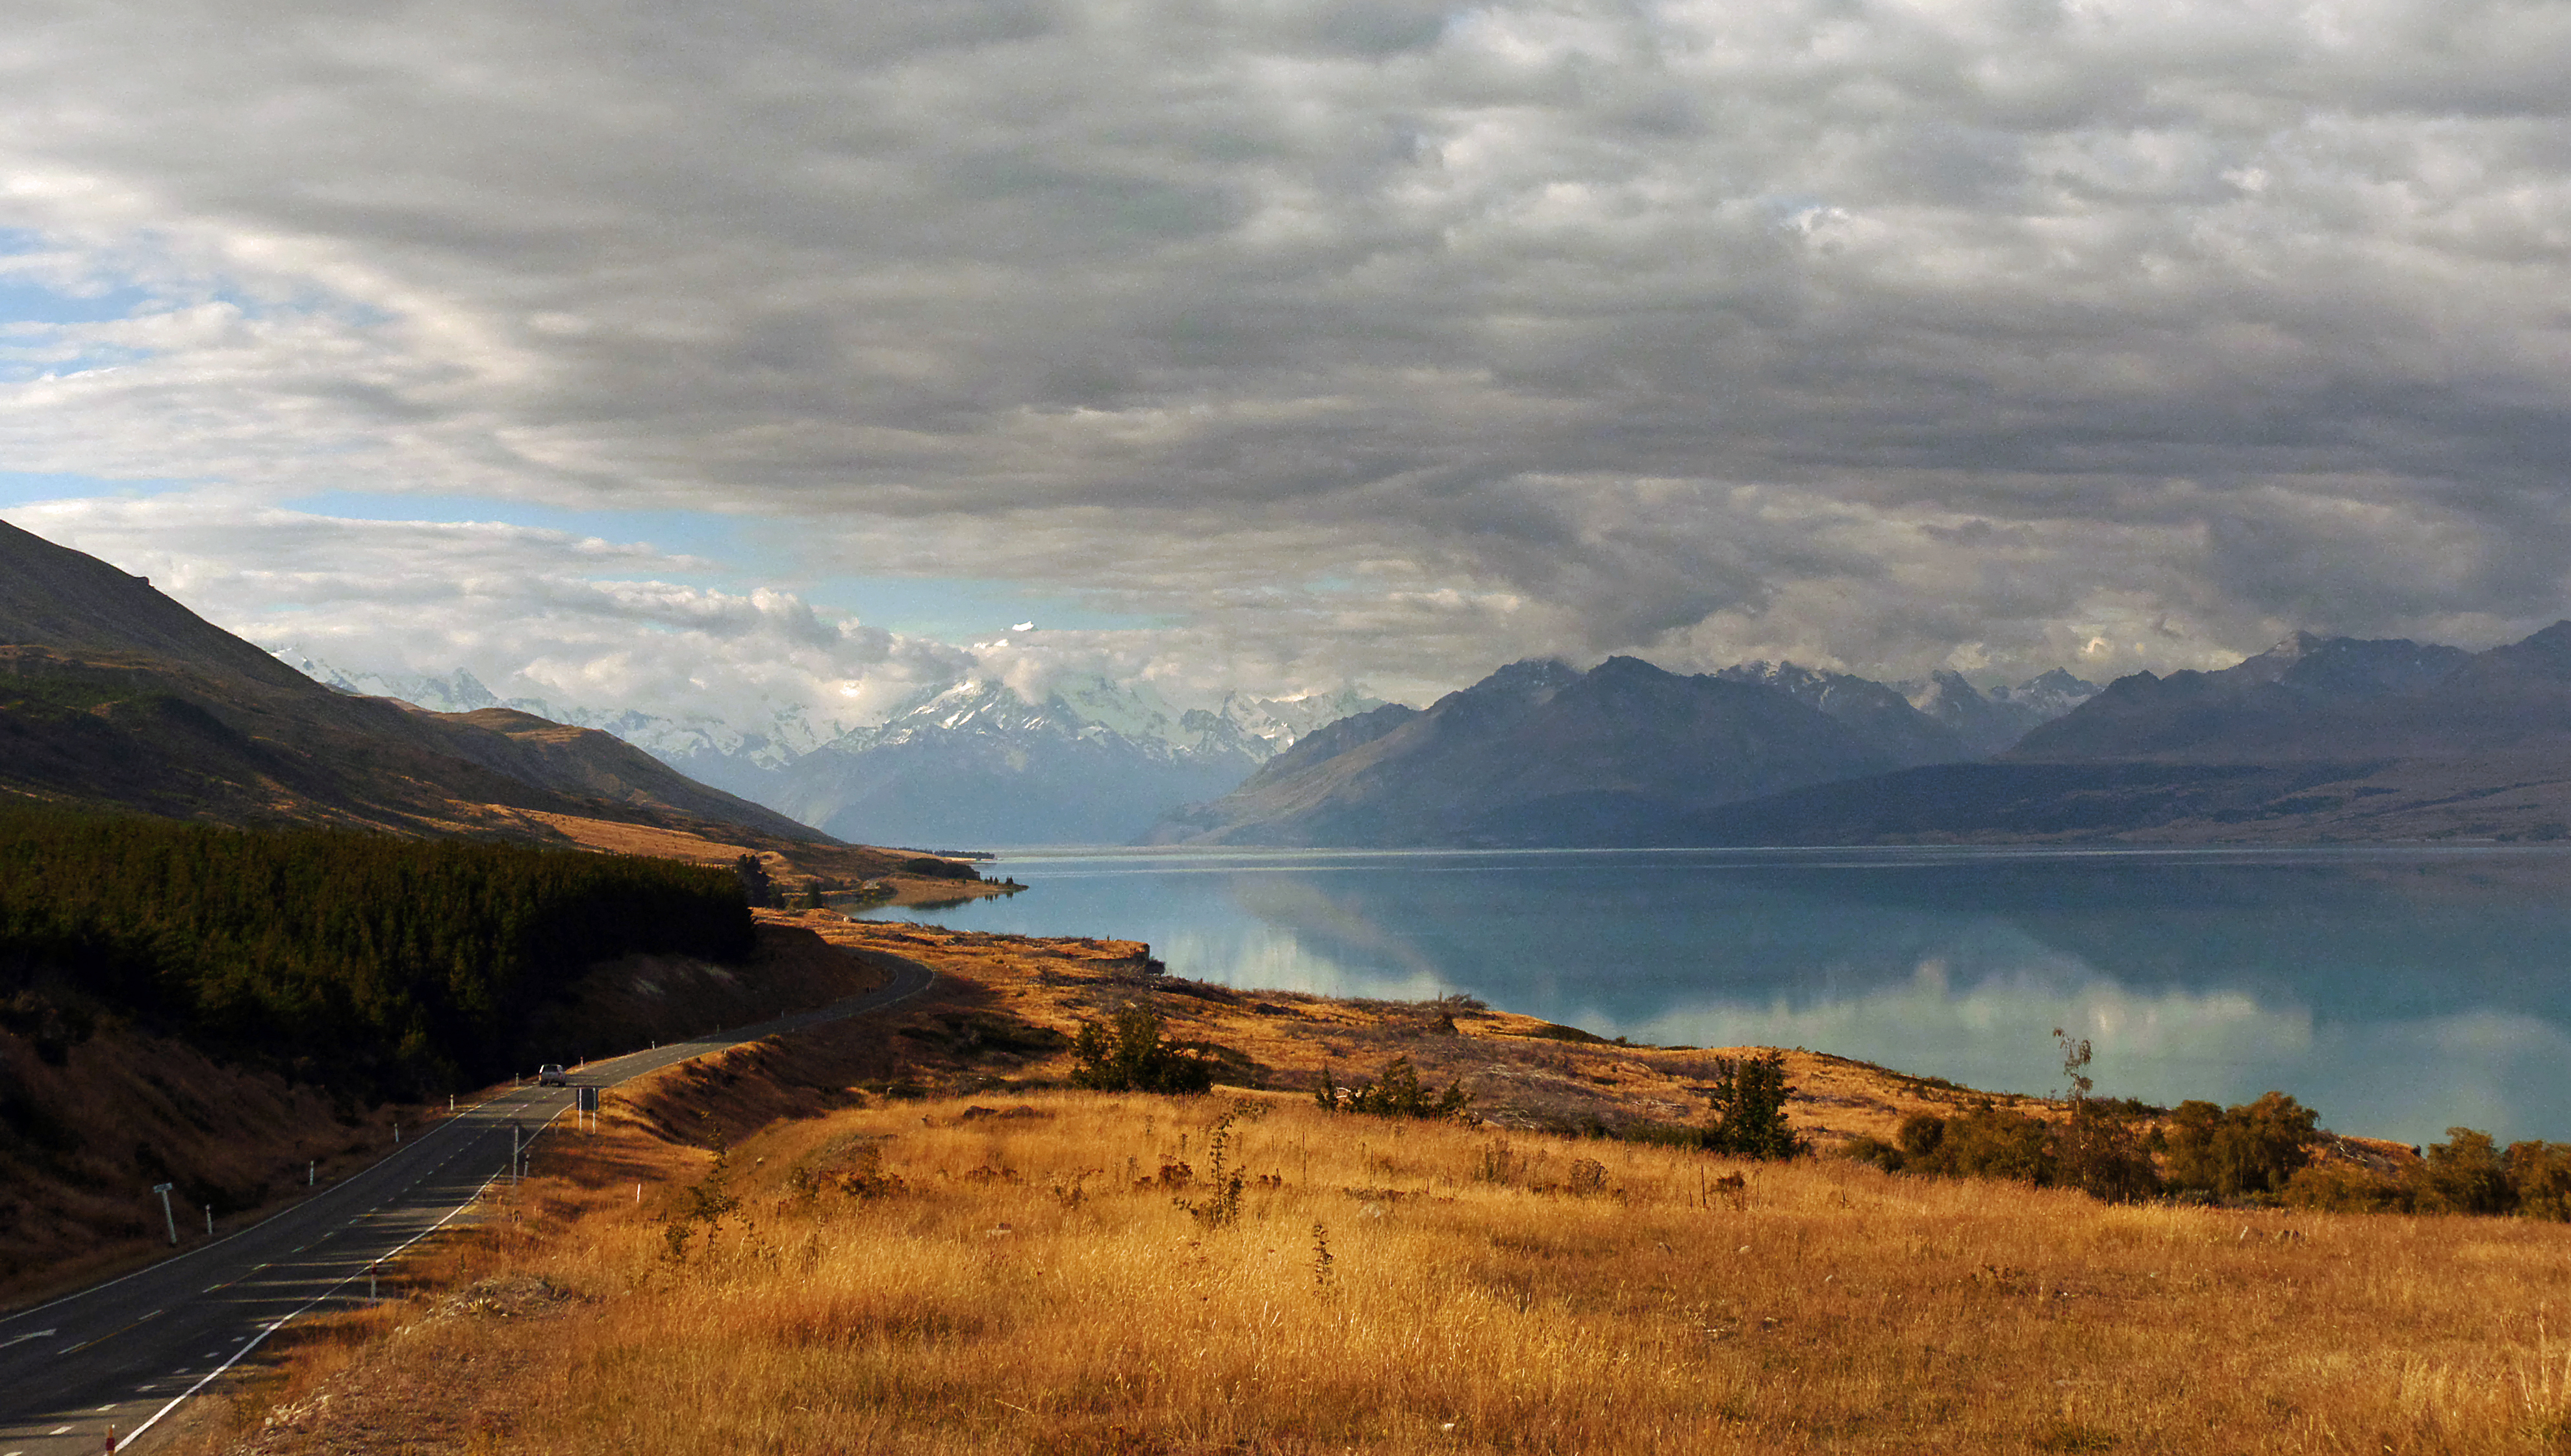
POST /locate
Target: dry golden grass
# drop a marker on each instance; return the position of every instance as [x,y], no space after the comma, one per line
[1522,1072]
[793,864]
[1016,1284]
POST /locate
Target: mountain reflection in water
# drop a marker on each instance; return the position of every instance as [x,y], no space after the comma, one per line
[2400,991]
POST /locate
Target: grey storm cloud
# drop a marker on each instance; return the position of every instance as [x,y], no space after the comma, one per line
[1384,338]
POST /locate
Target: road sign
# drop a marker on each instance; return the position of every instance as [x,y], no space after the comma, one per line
[588,1099]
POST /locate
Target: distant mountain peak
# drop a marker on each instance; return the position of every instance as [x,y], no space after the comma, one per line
[1536,675]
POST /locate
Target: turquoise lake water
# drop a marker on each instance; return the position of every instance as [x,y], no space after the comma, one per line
[2398,991]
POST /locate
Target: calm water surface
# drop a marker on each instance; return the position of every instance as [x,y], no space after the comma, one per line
[2400,991]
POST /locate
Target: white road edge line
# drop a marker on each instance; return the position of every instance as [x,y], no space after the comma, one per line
[254,1341]
[350,1182]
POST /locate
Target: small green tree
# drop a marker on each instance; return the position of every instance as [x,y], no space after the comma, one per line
[2097,1151]
[1132,1057]
[1750,1094]
[754,884]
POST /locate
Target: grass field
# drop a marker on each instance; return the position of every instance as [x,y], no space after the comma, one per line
[1024,1273]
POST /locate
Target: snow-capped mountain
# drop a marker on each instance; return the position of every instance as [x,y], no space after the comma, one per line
[1094,763]
[1989,723]
[1879,715]
[971,762]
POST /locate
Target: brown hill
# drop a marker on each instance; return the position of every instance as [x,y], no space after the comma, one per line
[113,695]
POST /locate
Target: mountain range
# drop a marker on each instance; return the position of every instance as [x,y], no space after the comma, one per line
[970,762]
[973,762]
[1539,753]
[2315,739]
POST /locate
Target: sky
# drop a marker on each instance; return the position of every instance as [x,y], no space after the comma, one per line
[708,359]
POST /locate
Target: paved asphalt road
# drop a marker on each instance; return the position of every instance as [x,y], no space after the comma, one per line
[129,1353]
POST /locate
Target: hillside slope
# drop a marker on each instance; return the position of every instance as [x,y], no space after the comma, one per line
[113,695]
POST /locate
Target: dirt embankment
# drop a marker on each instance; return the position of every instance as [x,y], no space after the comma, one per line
[94,1112]
[92,1118]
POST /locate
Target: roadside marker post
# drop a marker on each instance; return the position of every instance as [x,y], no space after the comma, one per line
[210,1220]
[312,1173]
[164,1191]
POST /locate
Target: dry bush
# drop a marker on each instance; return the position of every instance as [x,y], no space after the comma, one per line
[1026,1283]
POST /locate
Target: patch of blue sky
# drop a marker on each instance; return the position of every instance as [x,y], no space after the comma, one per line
[709,534]
[22,301]
[737,554]
[30,364]
[105,299]
[28,487]
[964,609]
[742,553]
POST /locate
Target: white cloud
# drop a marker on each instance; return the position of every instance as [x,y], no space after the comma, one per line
[577,622]
[1385,340]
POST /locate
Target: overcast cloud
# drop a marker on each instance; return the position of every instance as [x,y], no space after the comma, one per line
[1376,340]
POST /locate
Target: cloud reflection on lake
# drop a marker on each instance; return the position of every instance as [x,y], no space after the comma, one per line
[2399,992]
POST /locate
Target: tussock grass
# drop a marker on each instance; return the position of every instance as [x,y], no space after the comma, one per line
[926,1277]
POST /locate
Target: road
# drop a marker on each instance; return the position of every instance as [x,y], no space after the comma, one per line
[128,1353]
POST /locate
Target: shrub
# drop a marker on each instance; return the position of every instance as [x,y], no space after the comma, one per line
[1134,1057]
[1986,1141]
[2250,1151]
[1396,1094]
[2346,1187]
[2539,1180]
[2464,1175]
[2099,1153]
[1884,1155]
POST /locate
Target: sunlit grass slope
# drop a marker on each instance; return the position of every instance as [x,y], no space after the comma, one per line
[1023,1275]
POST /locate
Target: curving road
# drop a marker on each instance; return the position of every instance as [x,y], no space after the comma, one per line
[127,1353]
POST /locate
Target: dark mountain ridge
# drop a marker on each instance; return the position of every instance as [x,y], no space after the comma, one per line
[1540,753]
[2317,739]
[113,695]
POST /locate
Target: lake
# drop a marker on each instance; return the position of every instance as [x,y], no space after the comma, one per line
[2398,991]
